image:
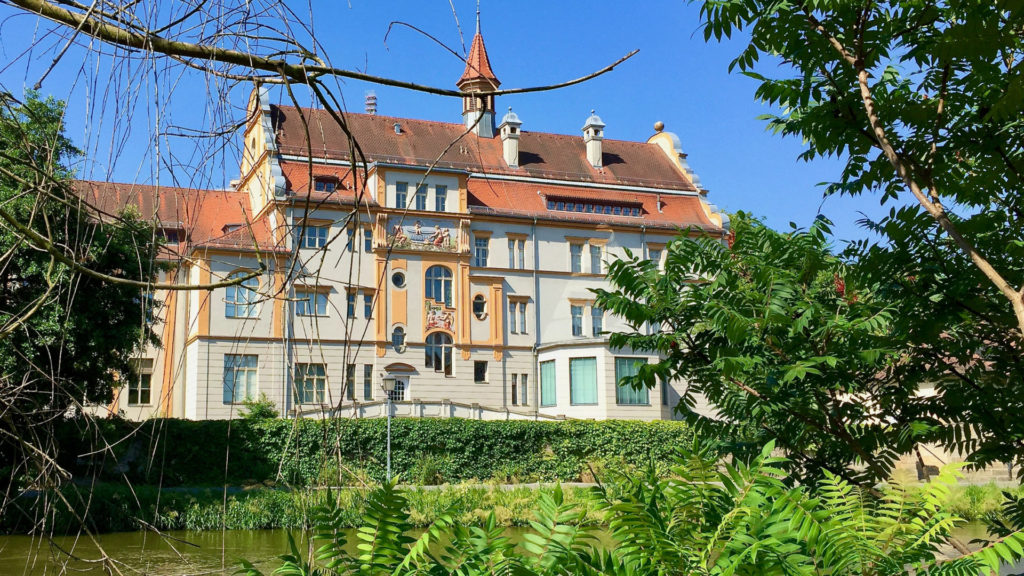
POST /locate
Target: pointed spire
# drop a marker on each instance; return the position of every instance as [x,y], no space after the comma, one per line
[477,17]
[478,66]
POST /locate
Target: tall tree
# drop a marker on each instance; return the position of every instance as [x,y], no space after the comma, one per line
[924,98]
[65,337]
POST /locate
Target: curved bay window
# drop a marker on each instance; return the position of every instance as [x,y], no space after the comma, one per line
[241,300]
[439,285]
[439,353]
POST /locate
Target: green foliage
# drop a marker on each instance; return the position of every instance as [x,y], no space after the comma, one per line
[781,337]
[705,518]
[117,508]
[260,409]
[943,81]
[84,330]
[349,451]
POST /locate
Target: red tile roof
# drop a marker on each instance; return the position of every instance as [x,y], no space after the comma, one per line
[478,66]
[422,142]
[297,177]
[529,199]
[202,214]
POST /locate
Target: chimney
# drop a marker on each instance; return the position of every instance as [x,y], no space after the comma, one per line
[593,134]
[371,102]
[509,130]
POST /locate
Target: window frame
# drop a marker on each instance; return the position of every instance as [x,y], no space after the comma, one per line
[311,236]
[481,245]
[420,197]
[401,195]
[596,259]
[596,321]
[439,282]
[553,390]
[477,379]
[573,401]
[367,382]
[311,297]
[440,198]
[575,258]
[250,288]
[642,397]
[576,319]
[438,346]
[236,366]
[482,301]
[305,380]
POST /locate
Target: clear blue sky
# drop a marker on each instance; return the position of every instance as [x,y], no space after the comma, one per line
[675,78]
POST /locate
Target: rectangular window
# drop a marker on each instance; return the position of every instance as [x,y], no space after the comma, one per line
[350,381]
[401,194]
[349,239]
[310,383]
[521,256]
[654,254]
[575,257]
[421,197]
[398,394]
[140,387]
[624,393]
[367,240]
[481,250]
[367,305]
[515,390]
[367,381]
[582,381]
[577,319]
[350,304]
[440,198]
[595,259]
[522,389]
[596,321]
[547,383]
[320,185]
[240,378]
[664,391]
[310,303]
[309,236]
[511,253]
[480,371]
[512,316]
[522,317]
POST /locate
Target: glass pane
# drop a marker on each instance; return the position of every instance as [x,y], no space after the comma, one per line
[583,380]
[547,383]
[626,394]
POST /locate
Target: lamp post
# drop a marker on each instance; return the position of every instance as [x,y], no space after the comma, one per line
[389,387]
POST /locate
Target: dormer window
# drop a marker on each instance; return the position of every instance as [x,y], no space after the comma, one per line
[230,228]
[325,185]
[171,235]
[562,205]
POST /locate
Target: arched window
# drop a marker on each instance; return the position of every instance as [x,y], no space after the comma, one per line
[241,299]
[439,353]
[439,284]
[479,306]
[398,339]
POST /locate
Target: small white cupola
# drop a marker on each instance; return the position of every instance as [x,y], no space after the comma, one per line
[509,131]
[593,134]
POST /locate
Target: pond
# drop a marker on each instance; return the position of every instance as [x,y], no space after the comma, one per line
[176,553]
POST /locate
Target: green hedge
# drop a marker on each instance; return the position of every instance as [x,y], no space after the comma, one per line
[175,452]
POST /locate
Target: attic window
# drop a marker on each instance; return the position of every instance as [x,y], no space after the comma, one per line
[230,228]
[324,185]
[171,235]
[564,205]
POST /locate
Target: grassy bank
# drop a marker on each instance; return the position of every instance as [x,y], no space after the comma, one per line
[115,508]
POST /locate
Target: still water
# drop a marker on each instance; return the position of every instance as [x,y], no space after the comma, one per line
[174,553]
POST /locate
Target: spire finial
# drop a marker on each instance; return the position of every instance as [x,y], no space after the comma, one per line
[477,16]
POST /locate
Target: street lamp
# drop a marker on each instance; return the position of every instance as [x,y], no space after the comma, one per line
[389,387]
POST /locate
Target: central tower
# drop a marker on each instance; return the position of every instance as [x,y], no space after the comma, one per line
[478,77]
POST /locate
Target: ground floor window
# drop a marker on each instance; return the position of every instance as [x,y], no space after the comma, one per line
[547,383]
[625,393]
[515,389]
[140,385]
[350,381]
[367,381]
[438,353]
[582,381]
[398,394]
[480,371]
[310,383]
[240,378]
[523,397]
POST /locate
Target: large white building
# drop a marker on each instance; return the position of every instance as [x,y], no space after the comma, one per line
[457,258]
